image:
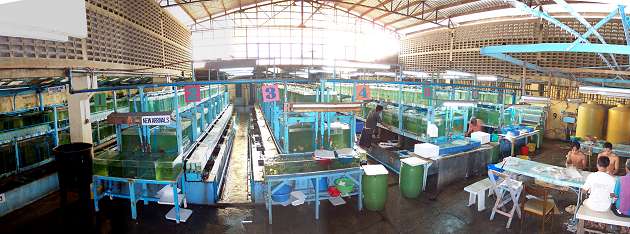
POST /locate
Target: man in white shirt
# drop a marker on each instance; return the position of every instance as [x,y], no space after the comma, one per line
[600,185]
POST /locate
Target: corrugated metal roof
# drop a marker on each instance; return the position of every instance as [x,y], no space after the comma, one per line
[399,14]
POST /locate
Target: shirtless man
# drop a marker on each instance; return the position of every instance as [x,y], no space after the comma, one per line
[614,159]
[474,125]
[575,157]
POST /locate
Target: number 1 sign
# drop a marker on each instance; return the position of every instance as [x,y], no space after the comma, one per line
[363,92]
[270,93]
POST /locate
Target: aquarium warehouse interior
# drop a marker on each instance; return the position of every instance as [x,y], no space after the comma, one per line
[309,116]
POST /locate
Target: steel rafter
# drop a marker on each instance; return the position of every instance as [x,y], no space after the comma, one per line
[426,13]
[381,4]
[185,9]
[253,6]
[539,14]
[586,24]
[416,3]
[355,5]
[499,52]
[174,3]
[626,27]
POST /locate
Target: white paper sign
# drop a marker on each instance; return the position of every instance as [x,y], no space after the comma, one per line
[156,120]
[57,89]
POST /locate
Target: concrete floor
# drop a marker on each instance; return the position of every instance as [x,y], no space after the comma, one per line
[447,213]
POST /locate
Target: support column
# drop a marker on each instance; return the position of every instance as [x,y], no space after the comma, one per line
[79,109]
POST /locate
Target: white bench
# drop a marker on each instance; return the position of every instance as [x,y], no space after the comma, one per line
[477,193]
[586,214]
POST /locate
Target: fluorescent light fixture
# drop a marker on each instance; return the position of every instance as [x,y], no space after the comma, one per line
[459,103]
[389,74]
[574,100]
[535,100]
[8,1]
[238,71]
[487,78]
[519,106]
[458,73]
[416,74]
[606,91]
[352,74]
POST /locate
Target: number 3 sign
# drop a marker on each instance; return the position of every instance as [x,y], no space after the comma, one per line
[363,92]
[270,93]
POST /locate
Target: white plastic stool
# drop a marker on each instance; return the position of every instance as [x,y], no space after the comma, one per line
[477,193]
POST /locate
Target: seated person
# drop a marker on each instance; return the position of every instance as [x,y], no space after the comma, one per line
[622,194]
[600,186]
[622,197]
[614,159]
[576,158]
[475,125]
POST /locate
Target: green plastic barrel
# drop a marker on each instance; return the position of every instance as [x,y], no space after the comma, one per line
[374,184]
[411,177]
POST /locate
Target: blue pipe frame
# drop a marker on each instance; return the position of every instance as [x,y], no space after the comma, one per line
[580,45]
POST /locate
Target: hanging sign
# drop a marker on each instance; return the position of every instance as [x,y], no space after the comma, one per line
[363,92]
[192,93]
[156,120]
[426,89]
[57,89]
[270,93]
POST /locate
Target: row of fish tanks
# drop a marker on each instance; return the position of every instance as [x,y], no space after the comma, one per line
[153,152]
[494,109]
[27,136]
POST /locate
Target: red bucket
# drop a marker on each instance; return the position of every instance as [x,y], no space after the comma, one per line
[524,150]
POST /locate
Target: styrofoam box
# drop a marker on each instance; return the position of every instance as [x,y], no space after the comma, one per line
[426,150]
[481,137]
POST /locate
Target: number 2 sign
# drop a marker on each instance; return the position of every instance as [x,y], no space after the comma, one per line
[363,92]
[192,93]
[270,93]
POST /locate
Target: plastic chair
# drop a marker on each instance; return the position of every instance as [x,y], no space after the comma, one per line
[541,205]
[507,190]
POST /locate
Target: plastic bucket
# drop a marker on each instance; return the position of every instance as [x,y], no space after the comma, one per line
[344,185]
[323,184]
[282,194]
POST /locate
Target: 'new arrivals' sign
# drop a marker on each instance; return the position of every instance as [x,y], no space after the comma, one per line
[156,120]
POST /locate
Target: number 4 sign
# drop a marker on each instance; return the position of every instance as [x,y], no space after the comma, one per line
[270,93]
[363,92]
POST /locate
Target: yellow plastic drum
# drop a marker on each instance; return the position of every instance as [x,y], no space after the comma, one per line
[619,125]
[591,120]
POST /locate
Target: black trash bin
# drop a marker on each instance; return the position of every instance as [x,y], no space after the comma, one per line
[74,164]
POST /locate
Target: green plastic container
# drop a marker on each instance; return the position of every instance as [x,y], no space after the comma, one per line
[411,177]
[374,187]
[344,185]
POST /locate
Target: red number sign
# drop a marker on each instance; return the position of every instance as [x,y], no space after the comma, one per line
[270,93]
[192,93]
[363,92]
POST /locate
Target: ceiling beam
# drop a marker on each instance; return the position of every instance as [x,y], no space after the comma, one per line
[592,71]
[205,8]
[432,10]
[542,3]
[181,3]
[266,3]
[355,5]
[381,4]
[409,4]
[186,10]
[440,19]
